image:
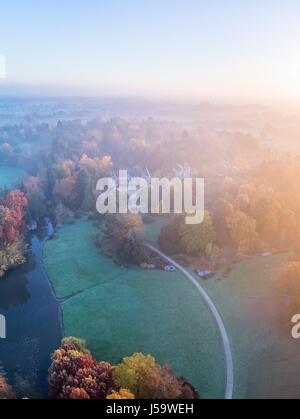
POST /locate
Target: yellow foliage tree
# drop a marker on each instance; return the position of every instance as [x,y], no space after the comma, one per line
[127,373]
[146,379]
[123,393]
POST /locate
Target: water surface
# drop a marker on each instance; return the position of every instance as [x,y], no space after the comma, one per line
[32,318]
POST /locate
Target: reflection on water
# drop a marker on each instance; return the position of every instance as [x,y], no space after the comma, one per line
[13,287]
[32,318]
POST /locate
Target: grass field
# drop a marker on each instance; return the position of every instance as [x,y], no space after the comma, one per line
[123,311]
[72,260]
[151,231]
[9,175]
[266,359]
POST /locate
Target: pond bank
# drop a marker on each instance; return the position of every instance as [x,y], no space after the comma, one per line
[33,320]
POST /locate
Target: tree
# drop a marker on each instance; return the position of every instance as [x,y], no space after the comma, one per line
[11,217]
[31,184]
[120,225]
[6,391]
[96,168]
[73,373]
[130,249]
[12,255]
[123,393]
[199,238]
[127,373]
[179,237]
[244,202]
[36,204]
[235,228]
[241,231]
[64,190]
[187,390]
[169,236]
[158,383]
[267,211]
[27,387]
[12,226]
[80,189]
[146,379]
[51,179]
[76,343]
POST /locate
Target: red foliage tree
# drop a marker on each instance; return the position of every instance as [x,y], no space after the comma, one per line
[11,217]
[64,189]
[75,375]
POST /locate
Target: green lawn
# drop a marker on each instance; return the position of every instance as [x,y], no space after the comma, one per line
[9,176]
[72,261]
[123,311]
[151,231]
[266,359]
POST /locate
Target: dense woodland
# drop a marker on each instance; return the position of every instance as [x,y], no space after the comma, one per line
[252,203]
[252,199]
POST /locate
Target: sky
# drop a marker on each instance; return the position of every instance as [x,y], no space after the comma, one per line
[186,48]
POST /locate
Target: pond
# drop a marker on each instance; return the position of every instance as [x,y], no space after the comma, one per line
[32,318]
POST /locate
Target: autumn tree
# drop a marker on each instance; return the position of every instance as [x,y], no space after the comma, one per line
[12,255]
[179,237]
[64,189]
[123,231]
[199,238]
[131,249]
[241,231]
[123,393]
[169,236]
[158,383]
[6,391]
[267,211]
[120,225]
[12,227]
[234,228]
[95,167]
[83,197]
[146,379]
[187,391]
[74,374]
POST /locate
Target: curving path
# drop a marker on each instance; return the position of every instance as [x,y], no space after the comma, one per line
[229,365]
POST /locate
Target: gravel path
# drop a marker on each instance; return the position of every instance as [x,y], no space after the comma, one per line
[227,349]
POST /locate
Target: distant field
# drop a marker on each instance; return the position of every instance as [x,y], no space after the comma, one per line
[9,175]
[123,311]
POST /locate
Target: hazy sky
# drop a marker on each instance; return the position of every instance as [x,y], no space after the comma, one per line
[186,47]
